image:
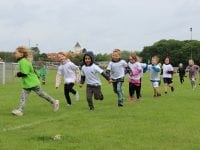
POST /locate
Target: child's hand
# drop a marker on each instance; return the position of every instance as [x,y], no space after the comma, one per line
[110,81]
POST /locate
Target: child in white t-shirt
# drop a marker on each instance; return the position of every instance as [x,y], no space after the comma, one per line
[167,74]
[70,72]
[89,74]
[116,68]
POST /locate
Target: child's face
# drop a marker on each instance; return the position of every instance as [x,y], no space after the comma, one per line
[191,62]
[166,60]
[180,65]
[131,60]
[88,60]
[61,58]
[154,61]
[115,56]
[18,54]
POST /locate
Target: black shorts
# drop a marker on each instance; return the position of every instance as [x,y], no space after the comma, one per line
[167,80]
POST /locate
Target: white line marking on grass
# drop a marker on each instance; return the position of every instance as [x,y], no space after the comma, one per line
[31,124]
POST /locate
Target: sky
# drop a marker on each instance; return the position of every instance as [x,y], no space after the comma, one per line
[98,25]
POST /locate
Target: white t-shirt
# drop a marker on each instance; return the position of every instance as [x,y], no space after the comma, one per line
[154,75]
[91,74]
[68,71]
[166,68]
[117,69]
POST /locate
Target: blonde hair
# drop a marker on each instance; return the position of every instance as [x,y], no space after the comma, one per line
[191,61]
[26,52]
[116,53]
[63,53]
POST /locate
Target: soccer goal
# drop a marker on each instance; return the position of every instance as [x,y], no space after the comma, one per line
[3,72]
[7,72]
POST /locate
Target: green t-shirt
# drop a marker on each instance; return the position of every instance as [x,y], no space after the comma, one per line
[43,71]
[31,80]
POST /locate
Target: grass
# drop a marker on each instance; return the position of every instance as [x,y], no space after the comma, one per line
[166,123]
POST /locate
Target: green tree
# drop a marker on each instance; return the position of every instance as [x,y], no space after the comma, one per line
[178,51]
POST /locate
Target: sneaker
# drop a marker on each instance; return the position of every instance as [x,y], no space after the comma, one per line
[120,105]
[17,112]
[101,97]
[172,89]
[158,94]
[138,100]
[130,99]
[56,105]
[91,108]
[77,96]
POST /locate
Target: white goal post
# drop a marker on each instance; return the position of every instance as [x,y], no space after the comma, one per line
[3,72]
[7,72]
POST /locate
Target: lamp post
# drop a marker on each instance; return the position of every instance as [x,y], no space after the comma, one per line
[190,43]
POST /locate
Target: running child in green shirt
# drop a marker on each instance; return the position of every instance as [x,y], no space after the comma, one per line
[30,81]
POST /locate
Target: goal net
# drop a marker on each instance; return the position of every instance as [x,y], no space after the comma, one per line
[7,72]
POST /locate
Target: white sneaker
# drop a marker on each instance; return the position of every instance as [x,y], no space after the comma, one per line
[17,112]
[56,105]
[77,96]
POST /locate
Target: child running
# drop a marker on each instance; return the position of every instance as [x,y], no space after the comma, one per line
[135,75]
[193,72]
[154,70]
[30,81]
[181,72]
[89,73]
[69,71]
[43,73]
[167,74]
[116,68]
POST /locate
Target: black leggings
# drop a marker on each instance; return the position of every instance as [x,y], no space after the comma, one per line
[133,88]
[67,89]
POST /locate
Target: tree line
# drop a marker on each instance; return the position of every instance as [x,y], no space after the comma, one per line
[178,51]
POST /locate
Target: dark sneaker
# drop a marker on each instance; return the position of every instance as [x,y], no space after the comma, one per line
[158,94]
[172,89]
[120,105]
[91,108]
[101,97]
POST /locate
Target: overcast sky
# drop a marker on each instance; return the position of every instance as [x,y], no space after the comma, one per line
[98,25]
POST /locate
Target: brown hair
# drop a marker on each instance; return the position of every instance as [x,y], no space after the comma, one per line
[134,56]
[155,57]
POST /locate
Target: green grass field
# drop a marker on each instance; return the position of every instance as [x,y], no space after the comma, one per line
[169,122]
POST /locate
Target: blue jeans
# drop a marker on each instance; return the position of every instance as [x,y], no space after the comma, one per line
[117,88]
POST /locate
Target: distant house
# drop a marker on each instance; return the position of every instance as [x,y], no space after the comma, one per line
[77,48]
[71,53]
